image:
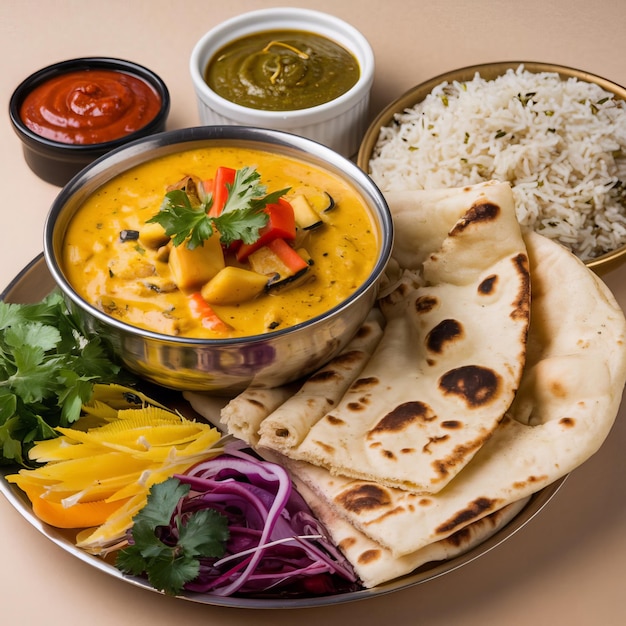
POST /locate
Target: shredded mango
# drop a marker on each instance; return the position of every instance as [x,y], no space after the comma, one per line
[96,476]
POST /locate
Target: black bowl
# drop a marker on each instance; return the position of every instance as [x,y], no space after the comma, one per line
[57,162]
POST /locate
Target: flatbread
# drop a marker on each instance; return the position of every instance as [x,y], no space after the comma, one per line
[450,360]
[375,565]
[293,407]
[423,218]
[243,414]
[288,425]
[567,402]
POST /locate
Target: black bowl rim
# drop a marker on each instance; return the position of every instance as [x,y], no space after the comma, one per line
[192,137]
[62,67]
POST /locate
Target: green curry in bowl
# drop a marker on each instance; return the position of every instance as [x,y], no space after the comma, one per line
[282,70]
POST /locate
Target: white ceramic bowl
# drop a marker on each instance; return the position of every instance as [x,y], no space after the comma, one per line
[338,124]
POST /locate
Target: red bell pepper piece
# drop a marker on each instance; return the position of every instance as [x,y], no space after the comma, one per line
[281,225]
[224,178]
[287,255]
[201,309]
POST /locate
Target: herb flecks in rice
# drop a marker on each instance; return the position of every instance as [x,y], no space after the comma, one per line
[560,143]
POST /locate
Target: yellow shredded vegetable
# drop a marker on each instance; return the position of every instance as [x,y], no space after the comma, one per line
[96,476]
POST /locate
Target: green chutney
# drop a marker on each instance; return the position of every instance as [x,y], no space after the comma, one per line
[282,70]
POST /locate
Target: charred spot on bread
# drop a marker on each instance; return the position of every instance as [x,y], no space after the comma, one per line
[474,384]
[479,212]
[402,416]
[522,304]
[425,304]
[488,285]
[369,556]
[474,510]
[364,497]
[364,383]
[447,331]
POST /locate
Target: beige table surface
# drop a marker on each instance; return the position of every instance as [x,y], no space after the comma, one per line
[568,565]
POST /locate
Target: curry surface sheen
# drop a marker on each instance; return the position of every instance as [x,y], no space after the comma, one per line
[127,281]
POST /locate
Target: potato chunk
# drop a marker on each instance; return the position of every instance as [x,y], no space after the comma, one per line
[192,268]
[233,285]
[153,235]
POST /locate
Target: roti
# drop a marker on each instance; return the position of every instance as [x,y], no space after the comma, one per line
[563,409]
[449,361]
[567,402]
[374,564]
[288,425]
[293,407]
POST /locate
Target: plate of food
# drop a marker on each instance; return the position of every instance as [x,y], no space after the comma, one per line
[443,420]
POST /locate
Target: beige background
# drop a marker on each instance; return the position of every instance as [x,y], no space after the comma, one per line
[568,565]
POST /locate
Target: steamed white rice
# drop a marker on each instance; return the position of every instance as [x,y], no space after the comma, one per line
[560,143]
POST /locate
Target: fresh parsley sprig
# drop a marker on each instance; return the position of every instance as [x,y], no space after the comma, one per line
[166,546]
[47,371]
[241,218]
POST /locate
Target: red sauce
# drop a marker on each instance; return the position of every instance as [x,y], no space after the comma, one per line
[90,106]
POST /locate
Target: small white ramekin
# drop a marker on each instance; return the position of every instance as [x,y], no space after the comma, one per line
[338,124]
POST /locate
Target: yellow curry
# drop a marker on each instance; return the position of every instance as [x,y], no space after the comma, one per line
[121,261]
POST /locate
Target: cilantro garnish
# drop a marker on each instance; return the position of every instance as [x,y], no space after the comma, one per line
[167,547]
[47,371]
[241,218]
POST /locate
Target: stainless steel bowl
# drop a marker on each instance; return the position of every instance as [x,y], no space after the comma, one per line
[221,365]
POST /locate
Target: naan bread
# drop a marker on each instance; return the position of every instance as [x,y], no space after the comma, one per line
[568,398]
[294,407]
[242,416]
[422,219]
[375,565]
[450,360]
[564,408]
[289,424]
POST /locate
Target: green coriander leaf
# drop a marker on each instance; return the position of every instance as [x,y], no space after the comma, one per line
[48,365]
[146,543]
[245,188]
[181,221]
[8,405]
[41,430]
[47,311]
[9,315]
[242,216]
[94,362]
[130,560]
[204,533]
[33,334]
[170,574]
[34,379]
[168,567]
[258,204]
[76,391]
[11,447]
[243,224]
[162,501]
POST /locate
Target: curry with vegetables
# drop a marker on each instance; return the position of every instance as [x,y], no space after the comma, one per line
[220,242]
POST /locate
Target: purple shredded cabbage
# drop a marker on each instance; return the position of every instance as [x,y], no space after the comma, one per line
[276,545]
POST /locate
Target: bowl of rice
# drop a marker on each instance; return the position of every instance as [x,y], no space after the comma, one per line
[557,134]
